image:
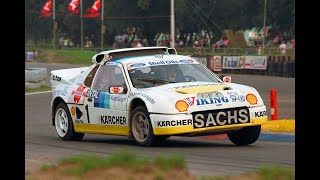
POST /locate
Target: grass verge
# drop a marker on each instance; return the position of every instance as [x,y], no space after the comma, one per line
[127,165]
[38,89]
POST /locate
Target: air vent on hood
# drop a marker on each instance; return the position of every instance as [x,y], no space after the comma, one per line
[202,89]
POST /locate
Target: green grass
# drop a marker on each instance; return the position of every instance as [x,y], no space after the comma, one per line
[38,89]
[168,162]
[122,158]
[80,164]
[68,56]
[276,172]
[47,166]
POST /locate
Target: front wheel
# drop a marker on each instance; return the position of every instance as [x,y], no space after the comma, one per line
[64,124]
[245,136]
[141,127]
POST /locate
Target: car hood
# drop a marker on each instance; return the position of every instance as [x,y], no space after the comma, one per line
[199,96]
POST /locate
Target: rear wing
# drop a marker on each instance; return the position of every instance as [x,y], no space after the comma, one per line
[66,76]
[130,52]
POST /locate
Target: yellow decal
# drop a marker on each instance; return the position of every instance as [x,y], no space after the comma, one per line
[73,111]
[101,129]
[202,89]
[181,106]
[252,99]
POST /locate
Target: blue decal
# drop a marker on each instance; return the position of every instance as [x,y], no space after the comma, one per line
[103,101]
[186,61]
[215,100]
[137,65]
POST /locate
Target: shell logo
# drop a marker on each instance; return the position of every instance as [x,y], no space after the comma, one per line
[181,105]
[251,98]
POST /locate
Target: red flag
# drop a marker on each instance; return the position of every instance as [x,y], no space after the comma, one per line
[46,9]
[93,10]
[73,7]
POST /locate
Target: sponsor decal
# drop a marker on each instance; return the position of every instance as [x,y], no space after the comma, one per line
[92,93]
[186,61]
[214,100]
[163,62]
[143,95]
[260,113]
[138,65]
[104,99]
[209,95]
[55,78]
[181,105]
[113,120]
[234,96]
[174,123]
[252,99]
[60,92]
[209,98]
[78,93]
[73,111]
[116,90]
[220,117]
[190,100]
[117,98]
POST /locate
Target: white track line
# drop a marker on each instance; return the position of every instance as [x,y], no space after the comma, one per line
[38,93]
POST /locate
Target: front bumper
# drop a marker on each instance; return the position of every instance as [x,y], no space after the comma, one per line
[164,124]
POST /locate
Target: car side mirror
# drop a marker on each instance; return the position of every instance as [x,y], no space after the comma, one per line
[226,79]
[118,89]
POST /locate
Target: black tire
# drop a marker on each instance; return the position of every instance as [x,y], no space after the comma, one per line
[64,125]
[148,138]
[245,136]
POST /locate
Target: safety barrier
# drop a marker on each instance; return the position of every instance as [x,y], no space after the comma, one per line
[283,66]
[35,77]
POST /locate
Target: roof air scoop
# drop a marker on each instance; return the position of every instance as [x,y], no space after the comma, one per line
[97,58]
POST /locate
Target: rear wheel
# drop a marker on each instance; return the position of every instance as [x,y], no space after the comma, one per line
[245,136]
[141,127]
[64,124]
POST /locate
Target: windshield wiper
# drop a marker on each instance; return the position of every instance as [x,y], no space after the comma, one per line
[155,80]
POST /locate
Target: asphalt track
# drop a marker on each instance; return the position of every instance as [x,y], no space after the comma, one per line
[204,157]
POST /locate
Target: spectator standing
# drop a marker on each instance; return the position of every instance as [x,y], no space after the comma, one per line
[283,47]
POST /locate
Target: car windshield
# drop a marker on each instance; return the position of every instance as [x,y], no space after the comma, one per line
[151,76]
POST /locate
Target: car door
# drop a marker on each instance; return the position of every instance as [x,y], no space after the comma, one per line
[106,101]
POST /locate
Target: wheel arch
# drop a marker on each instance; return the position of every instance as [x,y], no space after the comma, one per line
[135,103]
[55,103]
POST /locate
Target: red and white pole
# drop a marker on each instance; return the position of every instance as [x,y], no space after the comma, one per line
[274,106]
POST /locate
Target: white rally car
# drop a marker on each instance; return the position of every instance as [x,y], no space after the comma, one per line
[150,94]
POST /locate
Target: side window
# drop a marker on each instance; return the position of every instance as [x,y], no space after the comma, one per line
[108,75]
[89,79]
